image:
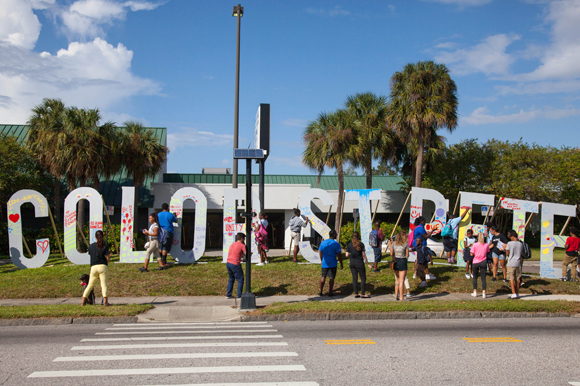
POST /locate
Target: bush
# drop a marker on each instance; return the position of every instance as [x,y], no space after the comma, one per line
[347,230]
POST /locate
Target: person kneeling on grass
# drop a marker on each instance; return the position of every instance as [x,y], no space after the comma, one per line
[329,250]
[423,259]
[514,271]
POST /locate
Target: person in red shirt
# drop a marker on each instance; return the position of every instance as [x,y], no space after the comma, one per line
[572,245]
[234,265]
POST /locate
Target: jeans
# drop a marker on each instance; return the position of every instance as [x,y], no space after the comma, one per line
[236,273]
[358,270]
[481,269]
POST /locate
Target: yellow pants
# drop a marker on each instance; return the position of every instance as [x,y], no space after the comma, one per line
[101,271]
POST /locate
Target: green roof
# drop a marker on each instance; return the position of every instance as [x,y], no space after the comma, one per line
[326,182]
[111,190]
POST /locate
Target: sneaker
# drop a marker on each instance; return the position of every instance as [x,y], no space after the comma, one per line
[471,275]
[505,280]
[431,277]
[514,296]
[483,296]
[394,295]
[414,276]
[143,269]
[474,294]
[494,279]
[423,284]
[408,295]
[230,297]
[376,270]
[259,264]
[489,274]
[467,276]
[267,262]
[160,268]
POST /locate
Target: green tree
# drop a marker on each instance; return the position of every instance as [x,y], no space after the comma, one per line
[329,143]
[423,97]
[141,154]
[374,140]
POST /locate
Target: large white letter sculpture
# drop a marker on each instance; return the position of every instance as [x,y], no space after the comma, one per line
[177,200]
[70,222]
[231,228]
[363,196]
[15,229]
[549,240]
[520,208]
[466,202]
[318,225]
[441,208]
[127,228]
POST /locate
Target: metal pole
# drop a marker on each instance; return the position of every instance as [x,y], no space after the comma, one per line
[262,200]
[401,214]
[248,298]
[237,103]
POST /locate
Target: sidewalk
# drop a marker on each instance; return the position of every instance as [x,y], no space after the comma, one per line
[220,309]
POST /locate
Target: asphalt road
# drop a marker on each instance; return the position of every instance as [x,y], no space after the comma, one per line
[411,352]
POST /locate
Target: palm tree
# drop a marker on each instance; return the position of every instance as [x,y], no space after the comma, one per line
[423,96]
[373,137]
[142,156]
[329,143]
[46,123]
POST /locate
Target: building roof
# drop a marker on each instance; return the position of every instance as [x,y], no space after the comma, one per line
[111,190]
[326,182]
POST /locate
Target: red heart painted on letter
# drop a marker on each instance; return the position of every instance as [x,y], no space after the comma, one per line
[43,245]
[14,217]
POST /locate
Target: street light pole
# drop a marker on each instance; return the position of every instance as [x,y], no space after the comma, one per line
[238,12]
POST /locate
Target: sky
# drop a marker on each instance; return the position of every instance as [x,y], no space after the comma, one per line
[171,63]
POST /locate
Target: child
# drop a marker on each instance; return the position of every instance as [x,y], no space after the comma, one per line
[423,258]
[572,245]
[84,283]
[514,271]
[468,242]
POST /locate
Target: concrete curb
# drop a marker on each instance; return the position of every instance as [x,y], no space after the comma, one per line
[59,321]
[400,315]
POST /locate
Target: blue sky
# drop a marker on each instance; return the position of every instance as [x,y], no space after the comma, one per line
[172,64]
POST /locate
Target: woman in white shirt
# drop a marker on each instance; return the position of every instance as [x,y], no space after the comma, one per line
[153,247]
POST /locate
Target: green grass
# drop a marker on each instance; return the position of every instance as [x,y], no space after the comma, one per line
[71,311]
[59,278]
[505,305]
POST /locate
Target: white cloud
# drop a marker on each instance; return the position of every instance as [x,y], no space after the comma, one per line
[121,118]
[193,137]
[549,87]
[295,162]
[392,8]
[84,18]
[226,161]
[461,3]
[480,116]
[19,26]
[489,56]
[332,12]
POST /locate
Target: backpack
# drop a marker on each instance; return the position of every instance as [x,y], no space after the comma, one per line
[162,236]
[373,239]
[526,251]
[447,231]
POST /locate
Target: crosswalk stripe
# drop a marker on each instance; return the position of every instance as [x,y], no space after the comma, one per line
[252,384]
[185,327]
[183,337]
[491,340]
[176,345]
[175,356]
[180,332]
[165,370]
[186,323]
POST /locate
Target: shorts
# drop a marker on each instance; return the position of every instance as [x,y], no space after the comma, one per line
[449,244]
[329,272]
[378,254]
[400,265]
[496,256]
[467,255]
[166,246]
[295,237]
[572,253]
[514,273]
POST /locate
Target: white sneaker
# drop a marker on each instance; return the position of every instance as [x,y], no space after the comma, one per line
[471,275]
[267,262]
[474,294]
[483,296]
[414,276]
[423,284]
[467,276]
[514,296]
[431,277]
[259,264]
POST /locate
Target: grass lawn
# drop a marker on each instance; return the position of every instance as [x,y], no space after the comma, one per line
[505,305]
[59,279]
[71,311]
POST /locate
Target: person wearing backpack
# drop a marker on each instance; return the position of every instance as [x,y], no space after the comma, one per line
[166,220]
[514,272]
[450,234]
[153,247]
[376,238]
[572,245]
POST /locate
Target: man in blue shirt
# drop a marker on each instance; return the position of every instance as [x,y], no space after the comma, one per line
[329,250]
[450,242]
[166,220]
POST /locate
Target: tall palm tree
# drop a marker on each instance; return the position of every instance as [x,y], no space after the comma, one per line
[329,143]
[373,137]
[423,96]
[46,123]
[142,156]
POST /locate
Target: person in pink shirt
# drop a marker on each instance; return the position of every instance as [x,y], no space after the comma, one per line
[479,252]
[234,265]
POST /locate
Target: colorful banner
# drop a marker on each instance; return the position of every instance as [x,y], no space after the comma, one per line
[364,197]
[317,224]
[177,200]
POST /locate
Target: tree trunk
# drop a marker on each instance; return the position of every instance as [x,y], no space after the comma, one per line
[340,174]
[420,150]
[369,172]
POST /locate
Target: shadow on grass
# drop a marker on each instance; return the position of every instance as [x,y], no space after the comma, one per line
[281,289]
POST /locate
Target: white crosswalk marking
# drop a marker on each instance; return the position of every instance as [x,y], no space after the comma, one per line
[194,358]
